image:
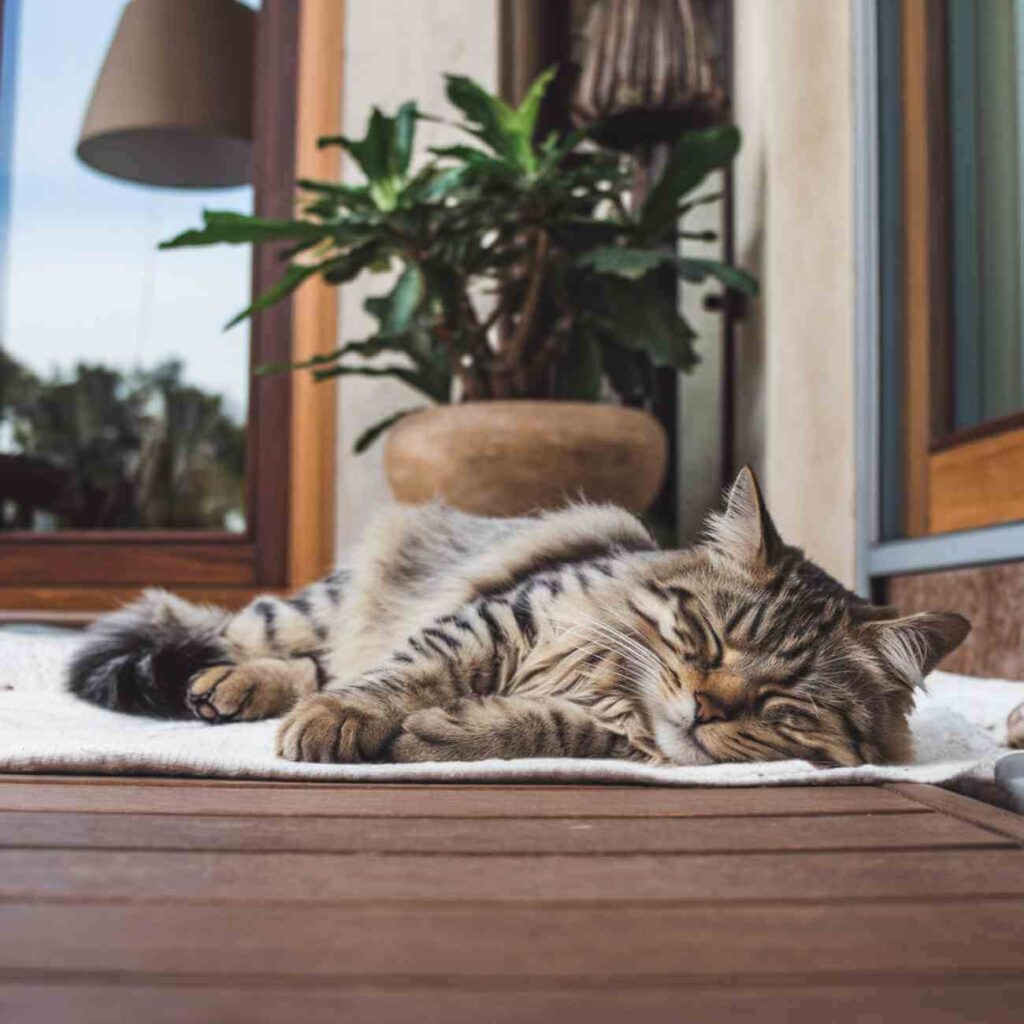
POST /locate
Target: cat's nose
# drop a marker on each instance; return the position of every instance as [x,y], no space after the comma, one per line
[707,709]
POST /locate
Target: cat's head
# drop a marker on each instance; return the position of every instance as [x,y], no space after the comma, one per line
[761,655]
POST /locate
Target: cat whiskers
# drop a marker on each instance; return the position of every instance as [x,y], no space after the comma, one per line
[625,678]
[627,645]
[609,641]
[636,666]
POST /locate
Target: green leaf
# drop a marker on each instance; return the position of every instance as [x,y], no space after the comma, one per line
[467,154]
[371,151]
[368,348]
[405,299]
[357,197]
[475,163]
[432,184]
[493,121]
[693,157]
[367,437]
[631,264]
[266,369]
[403,136]
[697,270]
[299,247]
[335,270]
[407,375]
[641,316]
[293,276]
[527,112]
[556,147]
[237,228]
[344,268]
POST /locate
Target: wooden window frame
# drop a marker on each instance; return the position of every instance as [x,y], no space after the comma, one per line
[291,426]
[953,479]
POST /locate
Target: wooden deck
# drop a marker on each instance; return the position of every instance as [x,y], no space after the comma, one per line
[188,901]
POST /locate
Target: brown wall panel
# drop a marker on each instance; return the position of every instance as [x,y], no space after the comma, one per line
[992,597]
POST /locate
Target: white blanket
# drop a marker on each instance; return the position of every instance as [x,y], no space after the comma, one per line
[959,729]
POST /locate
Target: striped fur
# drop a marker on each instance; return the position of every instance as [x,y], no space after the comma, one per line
[566,634]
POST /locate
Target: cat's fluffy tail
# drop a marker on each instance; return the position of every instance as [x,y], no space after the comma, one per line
[141,658]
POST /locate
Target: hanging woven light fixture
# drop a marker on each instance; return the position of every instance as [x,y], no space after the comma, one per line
[172,105]
[649,72]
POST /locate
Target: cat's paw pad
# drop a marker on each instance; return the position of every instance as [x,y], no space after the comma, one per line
[330,727]
[221,693]
[244,693]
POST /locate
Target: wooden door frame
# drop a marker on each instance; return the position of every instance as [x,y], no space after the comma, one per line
[878,554]
[289,536]
[952,480]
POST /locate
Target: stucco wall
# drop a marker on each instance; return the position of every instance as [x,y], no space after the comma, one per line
[793,99]
[795,392]
[395,50]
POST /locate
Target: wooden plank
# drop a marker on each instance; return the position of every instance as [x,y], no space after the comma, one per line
[993,999]
[40,560]
[480,836]
[319,879]
[315,305]
[272,942]
[78,606]
[979,483]
[995,819]
[445,801]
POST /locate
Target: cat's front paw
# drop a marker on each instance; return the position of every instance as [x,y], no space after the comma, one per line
[263,688]
[442,734]
[335,727]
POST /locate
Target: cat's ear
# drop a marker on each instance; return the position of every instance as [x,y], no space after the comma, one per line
[915,644]
[745,531]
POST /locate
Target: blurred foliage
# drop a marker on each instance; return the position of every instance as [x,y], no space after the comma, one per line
[523,270]
[102,449]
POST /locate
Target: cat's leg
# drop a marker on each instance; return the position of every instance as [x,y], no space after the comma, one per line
[473,652]
[477,728]
[254,689]
[357,722]
[144,658]
[272,658]
[283,627]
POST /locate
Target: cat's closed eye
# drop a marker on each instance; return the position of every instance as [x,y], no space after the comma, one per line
[785,712]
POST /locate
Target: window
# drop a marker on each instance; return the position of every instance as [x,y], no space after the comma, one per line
[182,470]
[951,108]
[122,405]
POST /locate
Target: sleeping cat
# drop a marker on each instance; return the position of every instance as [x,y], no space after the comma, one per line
[568,634]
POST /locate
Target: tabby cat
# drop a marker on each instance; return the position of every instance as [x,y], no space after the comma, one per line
[568,634]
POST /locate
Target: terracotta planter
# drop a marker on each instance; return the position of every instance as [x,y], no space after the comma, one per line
[510,458]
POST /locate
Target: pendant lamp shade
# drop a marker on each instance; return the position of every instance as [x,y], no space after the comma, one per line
[649,72]
[173,102]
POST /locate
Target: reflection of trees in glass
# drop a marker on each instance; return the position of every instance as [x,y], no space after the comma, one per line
[104,449]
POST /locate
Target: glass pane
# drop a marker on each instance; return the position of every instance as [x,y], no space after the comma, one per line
[951,285]
[985,113]
[122,405]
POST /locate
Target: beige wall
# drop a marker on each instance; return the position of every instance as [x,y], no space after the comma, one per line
[793,99]
[795,393]
[395,50]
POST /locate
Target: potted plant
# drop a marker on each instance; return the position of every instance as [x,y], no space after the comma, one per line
[528,288]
